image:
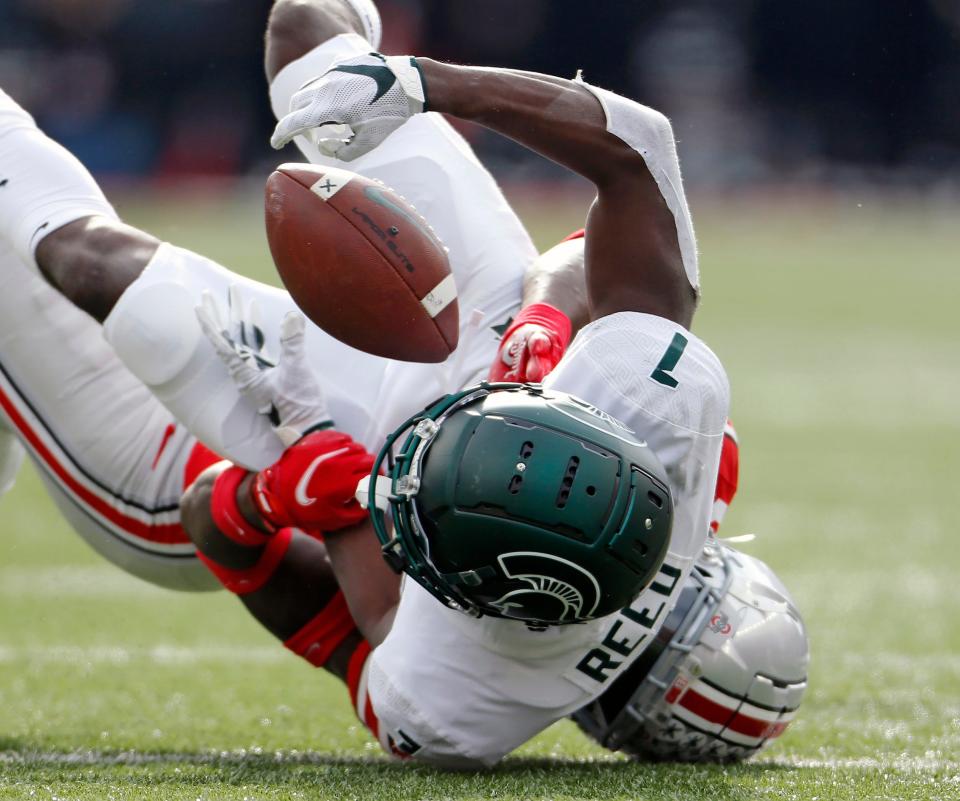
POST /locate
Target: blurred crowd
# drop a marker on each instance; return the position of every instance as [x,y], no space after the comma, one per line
[759,91]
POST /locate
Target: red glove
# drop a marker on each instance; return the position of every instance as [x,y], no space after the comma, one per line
[532,345]
[312,485]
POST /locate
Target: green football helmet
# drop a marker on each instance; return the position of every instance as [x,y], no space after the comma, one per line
[515,501]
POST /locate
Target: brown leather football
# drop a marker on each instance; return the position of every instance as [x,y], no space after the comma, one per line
[362,263]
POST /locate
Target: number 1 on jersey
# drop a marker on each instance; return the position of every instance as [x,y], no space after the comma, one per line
[661,373]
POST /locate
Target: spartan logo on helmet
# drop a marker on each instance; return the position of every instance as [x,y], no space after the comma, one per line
[551,587]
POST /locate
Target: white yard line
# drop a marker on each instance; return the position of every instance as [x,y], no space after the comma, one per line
[80,581]
[169,653]
[236,757]
[925,764]
[161,654]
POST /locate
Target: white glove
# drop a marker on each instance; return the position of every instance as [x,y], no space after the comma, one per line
[287,390]
[354,105]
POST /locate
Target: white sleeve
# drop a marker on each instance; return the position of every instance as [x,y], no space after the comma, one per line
[649,133]
[288,81]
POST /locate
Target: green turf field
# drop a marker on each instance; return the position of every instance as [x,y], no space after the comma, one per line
[837,322]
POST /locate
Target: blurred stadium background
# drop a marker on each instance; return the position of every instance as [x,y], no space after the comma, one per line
[821,146]
[760,93]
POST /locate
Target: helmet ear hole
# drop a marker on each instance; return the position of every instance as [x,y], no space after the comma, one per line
[514,486]
[571,473]
[655,499]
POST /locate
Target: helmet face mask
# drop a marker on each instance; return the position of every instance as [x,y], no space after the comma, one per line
[513,501]
[724,676]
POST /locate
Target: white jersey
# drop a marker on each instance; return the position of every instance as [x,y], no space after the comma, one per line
[459,691]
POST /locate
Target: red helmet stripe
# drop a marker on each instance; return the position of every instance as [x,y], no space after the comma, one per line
[731,719]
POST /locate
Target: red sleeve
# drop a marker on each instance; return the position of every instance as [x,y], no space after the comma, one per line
[728,476]
[200,458]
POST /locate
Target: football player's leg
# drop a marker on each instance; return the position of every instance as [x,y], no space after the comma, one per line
[296,27]
[54,216]
[154,330]
[111,456]
[44,190]
[42,186]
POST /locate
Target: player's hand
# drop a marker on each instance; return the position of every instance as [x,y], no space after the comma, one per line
[533,344]
[287,390]
[313,485]
[354,105]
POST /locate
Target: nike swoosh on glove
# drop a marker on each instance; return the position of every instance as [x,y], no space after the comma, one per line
[312,485]
[355,105]
[533,344]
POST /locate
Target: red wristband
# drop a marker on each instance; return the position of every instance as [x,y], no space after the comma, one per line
[321,636]
[355,673]
[226,513]
[244,582]
[550,317]
[267,513]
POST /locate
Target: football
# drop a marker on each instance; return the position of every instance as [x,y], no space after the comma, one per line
[362,263]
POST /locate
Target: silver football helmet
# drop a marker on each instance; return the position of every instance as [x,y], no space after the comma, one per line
[724,676]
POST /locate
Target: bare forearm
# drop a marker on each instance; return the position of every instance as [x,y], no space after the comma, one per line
[309,573]
[557,118]
[371,588]
[302,583]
